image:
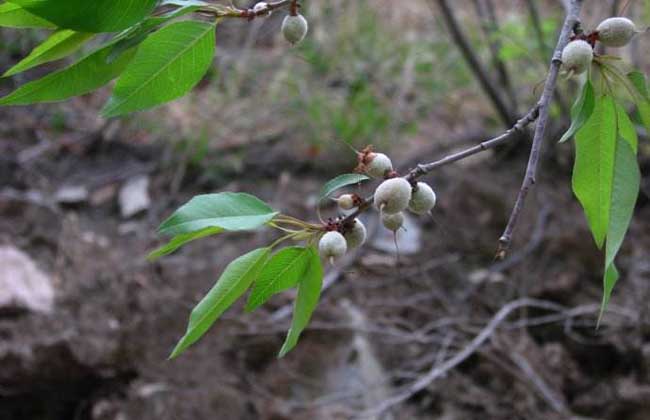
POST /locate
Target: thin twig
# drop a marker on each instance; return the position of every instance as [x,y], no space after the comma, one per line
[490,26]
[474,63]
[220,11]
[570,22]
[440,370]
[422,169]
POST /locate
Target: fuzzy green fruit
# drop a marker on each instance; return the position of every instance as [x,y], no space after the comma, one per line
[294,28]
[393,195]
[423,199]
[356,235]
[345,202]
[332,246]
[577,56]
[379,164]
[392,221]
[616,31]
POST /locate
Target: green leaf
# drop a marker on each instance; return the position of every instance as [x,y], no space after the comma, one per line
[594,166]
[626,128]
[340,182]
[168,64]
[14,16]
[625,190]
[581,110]
[60,44]
[229,211]
[309,290]
[609,281]
[642,100]
[86,75]
[180,240]
[639,81]
[90,16]
[283,271]
[138,33]
[235,280]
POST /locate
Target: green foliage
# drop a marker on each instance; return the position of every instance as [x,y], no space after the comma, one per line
[61,44]
[640,96]
[90,16]
[339,182]
[14,16]
[138,33]
[283,271]
[179,240]
[167,65]
[581,110]
[309,290]
[235,280]
[86,75]
[606,175]
[228,211]
[594,166]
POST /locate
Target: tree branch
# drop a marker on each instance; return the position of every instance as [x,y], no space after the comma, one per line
[440,370]
[220,11]
[570,22]
[490,26]
[422,169]
[475,65]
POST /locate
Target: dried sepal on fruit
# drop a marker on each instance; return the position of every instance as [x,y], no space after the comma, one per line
[423,199]
[378,165]
[392,222]
[375,165]
[616,31]
[356,234]
[332,246]
[393,195]
[294,28]
[577,56]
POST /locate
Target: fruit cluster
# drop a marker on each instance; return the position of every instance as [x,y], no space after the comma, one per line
[613,32]
[392,197]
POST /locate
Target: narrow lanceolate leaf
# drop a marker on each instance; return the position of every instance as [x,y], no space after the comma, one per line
[168,64]
[180,240]
[233,283]
[283,271]
[610,278]
[594,166]
[625,190]
[90,16]
[626,128]
[229,211]
[60,44]
[309,289]
[86,75]
[14,16]
[340,182]
[581,110]
[138,33]
[639,81]
[642,101]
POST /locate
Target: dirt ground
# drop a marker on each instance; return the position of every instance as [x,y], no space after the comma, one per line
[383,323]
[101,354]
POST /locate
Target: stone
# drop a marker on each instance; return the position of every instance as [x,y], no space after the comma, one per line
[134,196]
[23,286]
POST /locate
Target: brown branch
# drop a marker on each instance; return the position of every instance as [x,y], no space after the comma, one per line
[219,11]
[570,22]
[439,370]
[475,65]
[422,169]
[490,26]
